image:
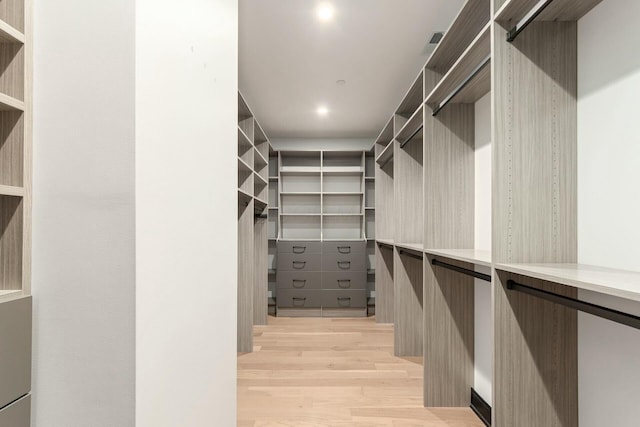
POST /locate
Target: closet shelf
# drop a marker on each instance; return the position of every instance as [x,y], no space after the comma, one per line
[338,170]
[243,139]
[244,166]
[386,135]
[300,214]
[472,256]
[469,79]
[388,242]
[413,98]
[300,193]
[558,10]
[606,281]
[273,178]
[9,190]
[343,193]
[260,203]
[8,34]
[417,247]
[412,128]
[473,16]
[385,155]
[299,169]
[260,180]
[9,103]
[369,178]
[342,214]
[6,294]
[342,240]
[244,196]
[259,159]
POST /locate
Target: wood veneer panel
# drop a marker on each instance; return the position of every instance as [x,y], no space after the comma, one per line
[385,200]
[11,242]
[261,267]
[408,301]
[408,181]
[12,132]
[536,358]
[13,13]
[384,284]
[449,335]
[245,276]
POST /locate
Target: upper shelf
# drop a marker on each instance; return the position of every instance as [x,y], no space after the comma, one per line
[473,16]
[244,112]
[469,78]
[386,134]
[8,34]
[412,128]
[259,159]
[9,103]
[386,154]
[606,281]
[9,190]
[557,10]
[387,242]
[413,98]
[417,247]
[472,256]
[243,139]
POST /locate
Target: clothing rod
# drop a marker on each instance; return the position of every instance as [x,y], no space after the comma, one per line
[385,244]
[481,276]
[587,307]
[462,85]
[406,141]
[409,254]
[528,19]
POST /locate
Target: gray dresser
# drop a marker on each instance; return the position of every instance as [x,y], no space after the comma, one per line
[323,276]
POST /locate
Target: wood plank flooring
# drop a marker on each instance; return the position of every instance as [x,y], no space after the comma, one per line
[334,372]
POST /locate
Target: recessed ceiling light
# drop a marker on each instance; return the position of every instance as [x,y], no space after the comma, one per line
[325,12]
[322,111]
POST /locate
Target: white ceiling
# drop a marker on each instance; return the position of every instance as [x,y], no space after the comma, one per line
[290,61]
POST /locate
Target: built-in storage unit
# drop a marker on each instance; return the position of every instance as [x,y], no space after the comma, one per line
[321,203]
[254,224]
[15,211]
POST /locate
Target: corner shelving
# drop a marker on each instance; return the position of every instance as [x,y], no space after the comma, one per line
[386,154]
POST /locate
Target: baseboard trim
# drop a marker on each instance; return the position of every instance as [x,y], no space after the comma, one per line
[481,408]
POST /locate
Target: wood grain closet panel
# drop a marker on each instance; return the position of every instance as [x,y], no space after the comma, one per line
[384,284]
[11,242]
[449,335]
[408,182]
[261,267]
[245,276]
[408,300]
[536,369]
[12,148]
[385,201]
[449,178]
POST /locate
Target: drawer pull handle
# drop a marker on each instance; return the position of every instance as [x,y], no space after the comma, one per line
[299,301]
[344,284]
[344,249]
[299,249]
[344,265]
[344,301]
[302,283]
[301,264]
[299,298]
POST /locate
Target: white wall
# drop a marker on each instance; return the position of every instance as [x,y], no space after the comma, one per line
[83,216]
[608,204]
[483,325]
[322,144]
[186,212]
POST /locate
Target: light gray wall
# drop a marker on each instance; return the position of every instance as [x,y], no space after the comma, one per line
[83,223]
[322,144]
[186,212]
[608,205]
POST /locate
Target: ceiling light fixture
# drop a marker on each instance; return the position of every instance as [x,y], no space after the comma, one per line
[325,12]
[322,111]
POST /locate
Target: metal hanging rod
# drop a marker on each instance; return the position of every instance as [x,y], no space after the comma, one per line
[409,254]
[462,85]
[587,307]
[481,276]
[406,141]
[528,19]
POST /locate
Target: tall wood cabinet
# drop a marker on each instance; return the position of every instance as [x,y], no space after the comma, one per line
[15,211]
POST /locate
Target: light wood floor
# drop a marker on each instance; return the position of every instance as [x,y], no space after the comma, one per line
[334,372]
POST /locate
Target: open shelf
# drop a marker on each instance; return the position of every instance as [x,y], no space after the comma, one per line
[259,180]
[259,160]
[342,162]
[473,16]
[342,204]
[243,196]
[388,242]
[558,10]
[300,169]
[412,128]
[300,193]
[606,281]
[342,214]
[243,140]
[273,178]
[472,256]
[9,103]
[412,99]
[243,166]
[300,214]
[9,190]
[417,247]
[467,80]
[386,135]
[386,154]
[8,34]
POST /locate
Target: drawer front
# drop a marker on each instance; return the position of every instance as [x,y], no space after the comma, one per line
[288,298]
[18,414]
[299,280]
[344,248]
[15,350]
[295,262]
[344,299]
[346,281]
[343,263]
[285,247]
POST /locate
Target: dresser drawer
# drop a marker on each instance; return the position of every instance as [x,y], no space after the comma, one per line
[292,298]
[18,414]
[337,262]
[299,280]
[15,349]
[344,248]
[344,299]
[347,280]
[295,262]
[287,247]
